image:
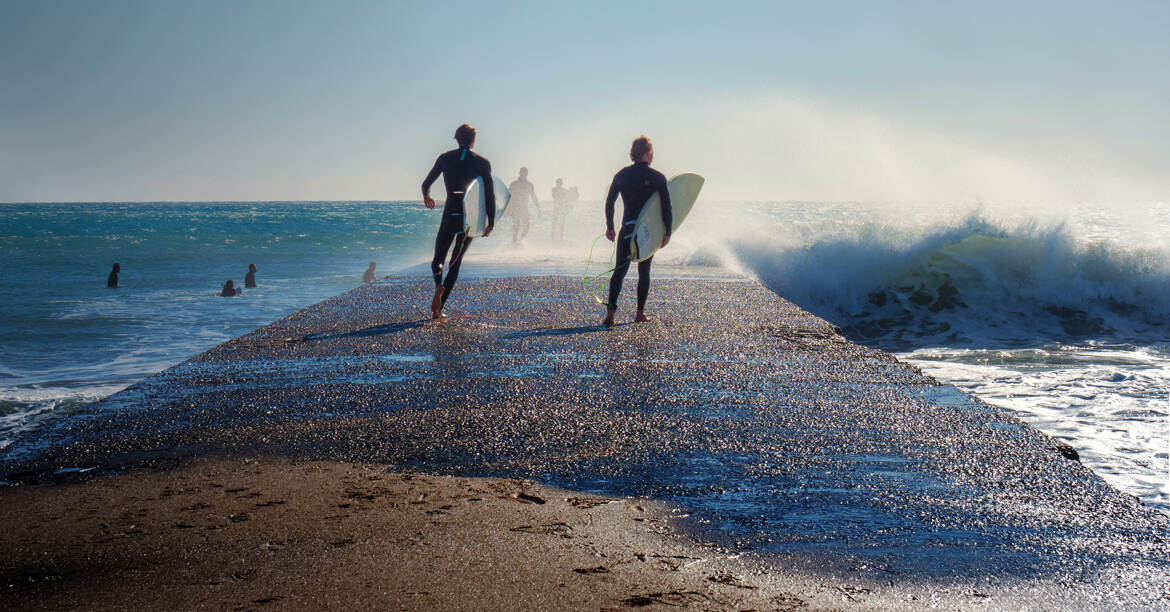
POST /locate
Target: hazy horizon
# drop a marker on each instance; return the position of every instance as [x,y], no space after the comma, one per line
[295,101]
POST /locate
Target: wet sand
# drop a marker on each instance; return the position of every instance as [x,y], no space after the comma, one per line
[234,534]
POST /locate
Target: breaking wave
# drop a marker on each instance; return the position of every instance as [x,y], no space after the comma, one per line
[969,284]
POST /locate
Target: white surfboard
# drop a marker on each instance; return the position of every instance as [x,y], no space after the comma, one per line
[649,229]
[475,205]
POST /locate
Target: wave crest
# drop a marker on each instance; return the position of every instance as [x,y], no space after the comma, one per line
[971,282]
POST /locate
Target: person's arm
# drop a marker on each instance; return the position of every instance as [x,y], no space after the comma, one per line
[489,190]
[667,213]
[609,202]
[428,201]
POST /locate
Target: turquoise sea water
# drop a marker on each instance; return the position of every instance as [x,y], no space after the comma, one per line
[66,339]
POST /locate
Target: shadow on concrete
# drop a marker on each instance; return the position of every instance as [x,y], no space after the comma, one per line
[562,331]
[377,330]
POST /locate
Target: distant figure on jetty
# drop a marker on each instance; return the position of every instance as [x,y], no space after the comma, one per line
[229,289]
[459,167]
[636,183]
[112,279]
[522,192]
[562,203]
[369,277]
[250,277]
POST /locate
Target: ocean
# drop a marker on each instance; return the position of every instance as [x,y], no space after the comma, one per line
[1061,315]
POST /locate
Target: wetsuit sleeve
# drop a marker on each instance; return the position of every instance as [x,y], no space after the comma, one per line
[667,213]
[610,199]
[433,174]
[490,192]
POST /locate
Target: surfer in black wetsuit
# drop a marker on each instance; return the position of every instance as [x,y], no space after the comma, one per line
[459,168]
[636,183]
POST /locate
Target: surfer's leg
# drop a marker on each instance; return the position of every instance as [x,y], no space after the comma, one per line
[643,288]
[442,245]
[619,275]
[461,245]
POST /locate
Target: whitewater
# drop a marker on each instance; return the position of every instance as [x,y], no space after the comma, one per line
[1060,315]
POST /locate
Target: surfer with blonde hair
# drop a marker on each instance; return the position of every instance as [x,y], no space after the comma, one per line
[636,183]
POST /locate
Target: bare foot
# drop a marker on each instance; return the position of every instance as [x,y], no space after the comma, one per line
[437,305]
[641,318]
[608,320]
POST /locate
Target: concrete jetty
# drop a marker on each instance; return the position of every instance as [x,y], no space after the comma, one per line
[773,433]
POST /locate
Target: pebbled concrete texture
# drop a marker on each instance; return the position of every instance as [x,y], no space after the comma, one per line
[779,437]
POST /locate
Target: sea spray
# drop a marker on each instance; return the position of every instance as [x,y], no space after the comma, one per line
[971,283]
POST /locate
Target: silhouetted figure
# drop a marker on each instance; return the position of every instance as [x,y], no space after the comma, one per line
[369,277]
[459,168]
[250,277]
[522,193]
[112,279]
[635,183]
[562,203]
[229,289]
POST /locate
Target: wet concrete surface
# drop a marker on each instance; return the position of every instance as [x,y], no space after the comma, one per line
[780,437]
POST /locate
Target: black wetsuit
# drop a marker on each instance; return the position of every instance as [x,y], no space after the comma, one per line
[112,280]
[250,280]
[636,183]
[459,167]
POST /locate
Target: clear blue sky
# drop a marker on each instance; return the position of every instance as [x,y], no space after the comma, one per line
[207,100]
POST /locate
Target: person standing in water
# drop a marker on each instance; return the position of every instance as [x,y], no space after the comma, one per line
[562,202]
[369,276]
[636,183]
[250,277]
[522,192]
[112,279]
[459,168]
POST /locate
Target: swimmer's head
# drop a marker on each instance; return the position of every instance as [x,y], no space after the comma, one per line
[372,264]
[523,171]
[251,267]
[642,150]
[229,284]
[465,135]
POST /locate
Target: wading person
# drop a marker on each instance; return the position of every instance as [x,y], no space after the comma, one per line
[459,167]
[112,279]
[562,202]
[522,193]
[636,183]
[250,277]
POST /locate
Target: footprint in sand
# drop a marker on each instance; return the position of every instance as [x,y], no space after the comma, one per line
[560,529]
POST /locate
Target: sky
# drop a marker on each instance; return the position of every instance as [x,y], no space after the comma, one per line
[945,101]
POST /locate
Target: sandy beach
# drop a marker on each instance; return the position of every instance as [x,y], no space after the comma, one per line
[239,534]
